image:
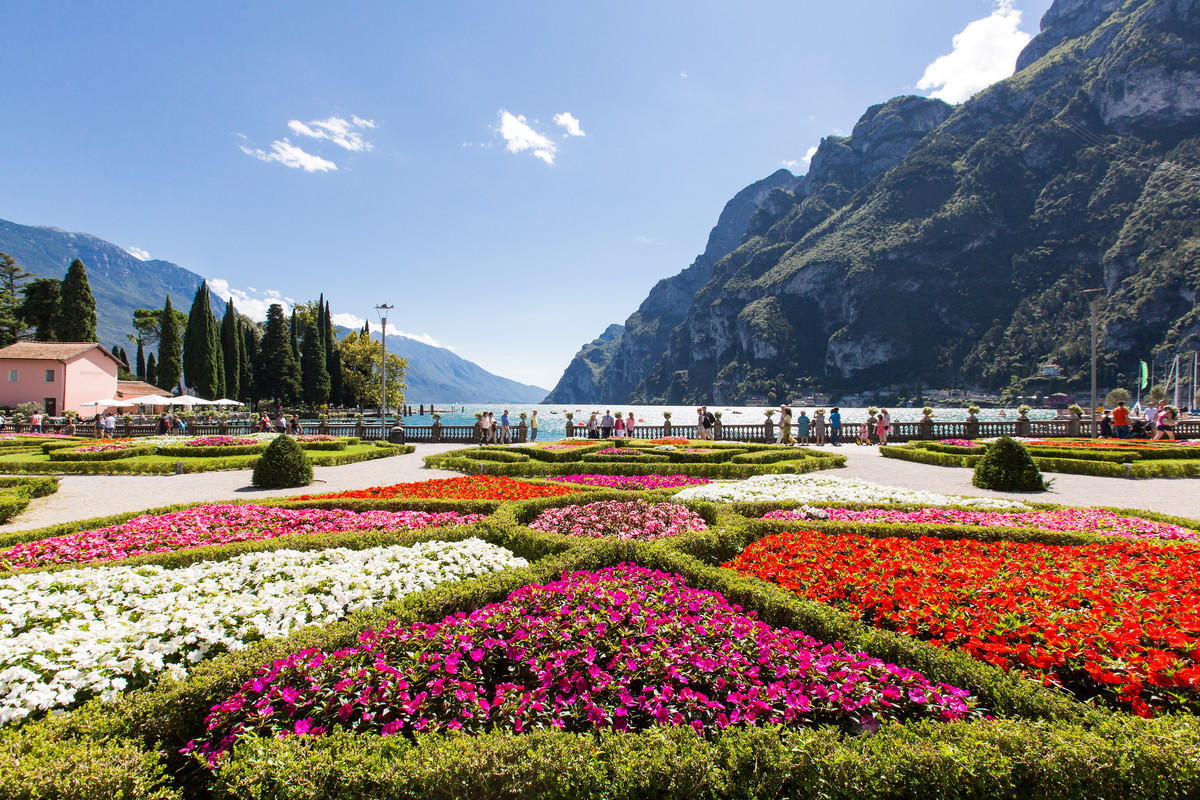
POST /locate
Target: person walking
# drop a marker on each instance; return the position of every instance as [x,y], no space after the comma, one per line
[1166,424]
[835,427]
[593,426]
[533,425]
[619,426]
[882,425]
[110,426]
[1120,418]
[606,424]
[629,423]
[707,423]
[779,430]
[802,423]
[819,426]
[785,424]
[505,429]
[35,422]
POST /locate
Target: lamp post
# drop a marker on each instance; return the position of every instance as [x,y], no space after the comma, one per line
[383,312]
[1093,296]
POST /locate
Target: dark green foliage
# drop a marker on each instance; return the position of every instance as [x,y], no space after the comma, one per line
[12,276]
[333,359]
[75,320]
[201,368]
[170,361]
[1008,467]
[151,371]
[141,361]
[283,465]
[231,347]
[277,373]
[41,299]
[313,373]
[249,336]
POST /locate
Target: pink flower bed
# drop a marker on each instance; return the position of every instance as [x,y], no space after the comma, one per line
[619,451]
[624,648]
[100,448]
[1070,520]
[633,483]
[213,525]
[565,445]
[621,519]
[960,442]
[315,437]
[220,441]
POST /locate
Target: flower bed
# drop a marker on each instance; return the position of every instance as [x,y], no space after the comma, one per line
[91,631]
[620,451]
[1120,621]
[101,448]
[960,442]
[474,487]
[620,519]
[219,441]
[678,441]
[213,525]
[1075,520]
[632,483]
[824,489]
[623,648]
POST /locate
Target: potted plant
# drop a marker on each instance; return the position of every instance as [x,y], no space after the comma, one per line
[927,413]
[1024,410]
[1076,409]
[972,411]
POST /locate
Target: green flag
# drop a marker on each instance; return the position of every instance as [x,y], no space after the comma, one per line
[1145,374]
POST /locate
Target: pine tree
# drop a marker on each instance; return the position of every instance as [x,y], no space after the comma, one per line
[333,360]
[199,357]
[170,362]
[249,359]
[76,317]
[277,373]
[42,297]
[11,277]
[141,361]
[151,371]
[314,375]
[231,347]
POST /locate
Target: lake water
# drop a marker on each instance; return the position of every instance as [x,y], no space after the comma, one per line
[552,421]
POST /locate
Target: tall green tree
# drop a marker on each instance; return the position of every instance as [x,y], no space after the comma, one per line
[231,346]
[76,317]
[277,373]
[249,333]
[148,324]
[141,361]
[151,371]
[333,360]
[170,360]
[42,297]
[361,358]
[12,276]
[200,368]
[294,333]
[314,376]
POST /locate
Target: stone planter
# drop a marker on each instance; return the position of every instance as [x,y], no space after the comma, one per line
[972,426]
[523,432]
[436,430]
[1023,428]
[477,435]
[323,427]
[360,429]
[1074,426]
[666,427]
[769,429]
[717,431]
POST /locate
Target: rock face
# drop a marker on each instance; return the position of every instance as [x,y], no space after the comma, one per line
[942,245]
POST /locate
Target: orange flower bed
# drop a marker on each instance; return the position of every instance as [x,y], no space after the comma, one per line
[473,487]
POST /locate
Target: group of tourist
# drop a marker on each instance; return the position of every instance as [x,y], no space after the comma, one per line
[1157,421]
[609,426]
[813,430]
[500,432]
[281,424]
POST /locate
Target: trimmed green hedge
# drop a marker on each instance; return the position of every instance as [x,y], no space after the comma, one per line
[502,456]
[647,458]
[1075,461]
[764,457]
[211,451]
[166,465]
[716,456]
[464,464]
[67,454]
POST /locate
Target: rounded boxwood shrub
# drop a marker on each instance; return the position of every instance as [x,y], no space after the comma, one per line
[283,465]
[1008,467]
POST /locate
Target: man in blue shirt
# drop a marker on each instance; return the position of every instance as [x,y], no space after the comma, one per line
[835,426]
[505,437]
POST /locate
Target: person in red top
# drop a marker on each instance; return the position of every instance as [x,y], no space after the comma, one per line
[1120,419]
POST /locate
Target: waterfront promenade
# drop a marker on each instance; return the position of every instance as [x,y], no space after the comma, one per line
[85,496]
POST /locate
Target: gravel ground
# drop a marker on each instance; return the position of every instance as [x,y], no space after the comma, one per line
[83,496]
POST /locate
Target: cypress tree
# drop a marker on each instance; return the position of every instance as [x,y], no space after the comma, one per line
[200,369]
[141,361]
[151,371]
[294,334]
[314,375]
[249,359]
[170,363]
[231,347]
[277,372]
[76,318]
[219,353]
[333,360]
[41,299]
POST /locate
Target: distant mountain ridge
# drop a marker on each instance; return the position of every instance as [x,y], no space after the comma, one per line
[121,283]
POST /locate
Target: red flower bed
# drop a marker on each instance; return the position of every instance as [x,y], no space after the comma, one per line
[474,487]
[1115,621]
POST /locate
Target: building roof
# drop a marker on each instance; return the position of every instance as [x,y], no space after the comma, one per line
[136,389]
[53,351]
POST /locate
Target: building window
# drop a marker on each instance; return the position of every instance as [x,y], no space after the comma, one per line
[12,376]
[49,376]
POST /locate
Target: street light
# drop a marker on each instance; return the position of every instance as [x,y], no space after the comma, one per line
[383,312]
[1093,296]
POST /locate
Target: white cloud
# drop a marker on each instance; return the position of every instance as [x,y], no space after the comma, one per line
[337,130]
[802,163]
[984,52]
[138,253]
[683,75]
[520,138]
[424,338]
[569,123]
[251,302]
[288,154]
[347,320]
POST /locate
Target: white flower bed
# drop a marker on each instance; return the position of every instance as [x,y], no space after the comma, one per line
[824,489]
[66,636]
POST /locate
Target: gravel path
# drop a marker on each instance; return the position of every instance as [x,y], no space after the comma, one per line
[83,496]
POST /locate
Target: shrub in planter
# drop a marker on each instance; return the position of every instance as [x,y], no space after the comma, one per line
[1007,466]
[283,464]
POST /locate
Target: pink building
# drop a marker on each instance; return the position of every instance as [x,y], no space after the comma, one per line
[58,375]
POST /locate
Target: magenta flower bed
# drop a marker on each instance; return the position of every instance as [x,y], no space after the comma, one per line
[100,448]
[621,519]
[1070,520]
[960,442]
[619,451]
[633,483]
[624,648]
[315,437]
[213,525]
[220,441]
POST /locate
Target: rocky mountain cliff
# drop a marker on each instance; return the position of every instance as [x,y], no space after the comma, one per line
[944,245]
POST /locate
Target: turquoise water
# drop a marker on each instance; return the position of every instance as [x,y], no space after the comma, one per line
[552,418]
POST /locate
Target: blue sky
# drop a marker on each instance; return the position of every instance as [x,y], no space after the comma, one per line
[512,177]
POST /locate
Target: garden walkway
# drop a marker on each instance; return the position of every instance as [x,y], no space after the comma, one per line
[83,496]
